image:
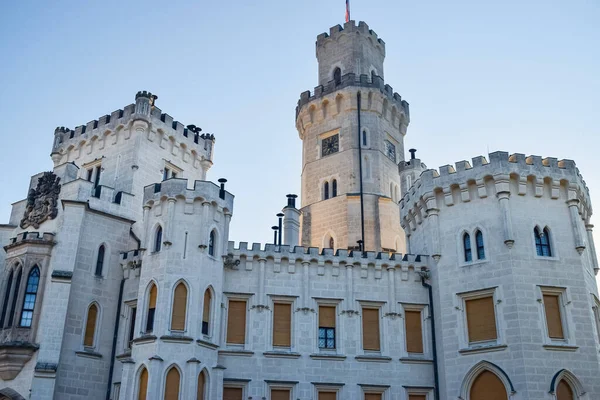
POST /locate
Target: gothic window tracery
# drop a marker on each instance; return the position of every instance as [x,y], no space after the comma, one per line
[211,243]
[13,305]
[6,298]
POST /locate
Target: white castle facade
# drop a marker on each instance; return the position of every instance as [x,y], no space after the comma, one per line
[390,282]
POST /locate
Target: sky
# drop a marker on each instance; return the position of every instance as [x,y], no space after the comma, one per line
[518,76]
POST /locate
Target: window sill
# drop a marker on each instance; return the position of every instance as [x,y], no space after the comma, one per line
[207,344]
[176,339]
[123,356]
[561,347]
[483,348]
[281,354]
[88,354]
[474,263]
[416,360]
[553,258]
[325,356]
[147,338]
[373,358]
[238,353]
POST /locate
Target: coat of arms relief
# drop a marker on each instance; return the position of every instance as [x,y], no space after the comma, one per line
[42,202]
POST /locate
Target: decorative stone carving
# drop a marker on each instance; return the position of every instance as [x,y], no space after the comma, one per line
[42,201]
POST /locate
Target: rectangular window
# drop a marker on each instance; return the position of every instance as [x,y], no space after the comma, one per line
[281,394]
[417,397]
[481,319]
[552,310]
[97,178]
[370,328]
[373,396]
[90,174]
[282,325]
[166,173]
[327,395]
[233,393]
[327,327]
[131,326]
[236,322]
[414,331]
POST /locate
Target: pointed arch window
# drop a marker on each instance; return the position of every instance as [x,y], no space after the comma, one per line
[100,261]
[480,246]
[143,385]
[325,190]
[172,384]
[488,386]
[467,247]
[542,242]
[152,293]
[6,298]
[564,391]
[201,386]
[206,312]
[90,326]
[158,239]
[179,307]
[211,243]
[334,188]
[331,243]
[33,281]
[337,76]
[13,304]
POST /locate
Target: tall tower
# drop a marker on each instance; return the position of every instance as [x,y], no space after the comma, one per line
[340,140]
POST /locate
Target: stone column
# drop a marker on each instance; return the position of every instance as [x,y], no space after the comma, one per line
[171,223]
[261,282]
[574,212]
[433,214]
[503,201]
[391,289]
[205,225]
[349,287]
[144,238]
[226,232]
[306,283]
[591,246]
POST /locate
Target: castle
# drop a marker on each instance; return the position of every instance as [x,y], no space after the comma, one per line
[390,281]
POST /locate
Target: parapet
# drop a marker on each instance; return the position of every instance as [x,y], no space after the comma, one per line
[350,79]
[36,238]
[349,27]
[175,188]
[500,168]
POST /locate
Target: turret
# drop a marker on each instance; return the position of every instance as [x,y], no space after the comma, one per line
[410,171]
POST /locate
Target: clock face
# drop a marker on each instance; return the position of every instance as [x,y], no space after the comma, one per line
[330,145]
[390,150]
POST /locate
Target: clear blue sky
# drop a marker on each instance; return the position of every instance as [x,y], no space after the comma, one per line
[520,76]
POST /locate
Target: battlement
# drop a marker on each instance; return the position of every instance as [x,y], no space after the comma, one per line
[378,260]
[500,168]
[39,238]
[349,27]
[110,123]
[350,79]
[178,188]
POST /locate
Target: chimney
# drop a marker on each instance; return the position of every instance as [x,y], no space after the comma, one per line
[291,222]
[222,181]
[412,153]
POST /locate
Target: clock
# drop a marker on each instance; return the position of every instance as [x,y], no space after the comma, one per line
[330,145]
[390,150]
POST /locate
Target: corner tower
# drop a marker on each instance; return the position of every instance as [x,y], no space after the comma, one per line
[351,153]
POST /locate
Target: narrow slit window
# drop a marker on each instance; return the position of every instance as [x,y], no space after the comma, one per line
[179,307]
[158,239]
[337,76]
[211,243]
[467,247]
[13,304]
[151,309]
[100,261]
[480,246]
[325,190]
[90,326]
[206,312]
[334,188]
[132,325]
[542,242]
[6,298]
[31,289]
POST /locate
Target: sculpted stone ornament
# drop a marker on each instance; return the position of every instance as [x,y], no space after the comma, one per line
[42,202]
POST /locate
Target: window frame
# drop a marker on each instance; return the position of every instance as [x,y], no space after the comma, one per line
[467,248]
[335,303]
[236,384]
[551,243]
[157,239]
[460,245]
[425,333]
[7,289]
[478,247]
[130,329]
[181,380]
[461,306]
[237,297]
[375,389]
[96,326]
[35,268]
[170,171]
[564,299]
[281,385]
[104,254]
[187,307]
[418,390]
[326,190]
[328,388]
[373,306]
[146,316]
[596,315]
[211,313]
[291,301]
[213,243]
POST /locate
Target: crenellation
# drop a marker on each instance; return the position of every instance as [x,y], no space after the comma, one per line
[335,32]
[178,188]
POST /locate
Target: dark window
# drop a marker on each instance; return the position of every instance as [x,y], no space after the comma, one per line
[326,190]
[334,188]
[158,239]
[205,327]
[467,247]
[364,138]
[151,308]
[326,338]
[100,261]
[90,173]
[97,180]
[480,247]
[30,295]
[211,243]
[165,174]
[13,304]
[6,297]
[132,325]
[542,242]
[337,76]
[331,243]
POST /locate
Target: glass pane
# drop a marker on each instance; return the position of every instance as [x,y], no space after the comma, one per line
[330,334]
[321,343]
[330,343]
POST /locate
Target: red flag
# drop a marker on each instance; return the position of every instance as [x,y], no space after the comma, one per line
[347,10]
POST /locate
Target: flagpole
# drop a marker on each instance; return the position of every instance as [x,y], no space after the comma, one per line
[347,10]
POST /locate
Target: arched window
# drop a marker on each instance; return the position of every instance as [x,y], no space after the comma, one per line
[152,293]
[211,243]
[143,388]
[206,311]
[100,261]
[364,138]
[480,247]
[467,247]
[90,326]
[487,386]
[158,239]
[331,243]
[201,385]
[564,391]
[334,188]
[325,190]
[542,242]
[172,384]
[179,307]
[33,282]
[337,76]
[6,298]
[13,304]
